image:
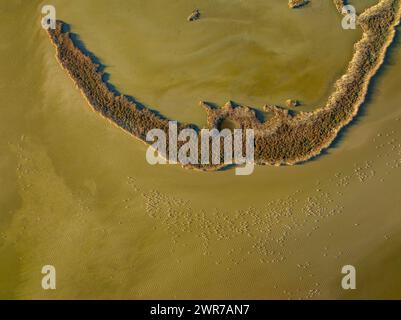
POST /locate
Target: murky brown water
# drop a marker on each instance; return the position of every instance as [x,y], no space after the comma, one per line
[78,193]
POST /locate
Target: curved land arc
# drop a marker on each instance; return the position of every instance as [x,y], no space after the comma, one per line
[281,139]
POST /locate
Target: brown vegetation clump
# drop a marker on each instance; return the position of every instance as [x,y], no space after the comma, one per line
[297,3]
[282,138]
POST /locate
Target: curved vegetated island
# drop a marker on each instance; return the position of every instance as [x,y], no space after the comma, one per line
[280,139]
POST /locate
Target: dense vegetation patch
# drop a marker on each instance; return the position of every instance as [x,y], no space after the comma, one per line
[282,138]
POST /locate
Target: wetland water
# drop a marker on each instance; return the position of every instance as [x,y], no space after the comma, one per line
[78,193]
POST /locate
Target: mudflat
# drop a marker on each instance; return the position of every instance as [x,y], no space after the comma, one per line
[80,195]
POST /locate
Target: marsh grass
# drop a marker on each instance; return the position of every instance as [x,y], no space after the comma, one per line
[281,137]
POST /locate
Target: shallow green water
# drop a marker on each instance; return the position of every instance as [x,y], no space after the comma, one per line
[77,192]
